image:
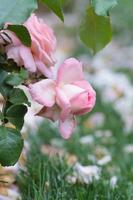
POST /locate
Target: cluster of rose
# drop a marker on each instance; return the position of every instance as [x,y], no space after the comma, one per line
[62,97]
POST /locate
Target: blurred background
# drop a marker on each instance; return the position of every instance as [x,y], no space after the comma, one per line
[97,161]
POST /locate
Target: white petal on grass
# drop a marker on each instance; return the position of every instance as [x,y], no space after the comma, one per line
[117,89]
[113,181]
[103,133]
[71,179]
[105,160]
[88,139]
[128,148]
[87,174]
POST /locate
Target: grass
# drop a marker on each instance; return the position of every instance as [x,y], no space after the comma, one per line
[45,177]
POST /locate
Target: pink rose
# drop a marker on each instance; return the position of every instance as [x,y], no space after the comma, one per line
[64,98]
[40,56]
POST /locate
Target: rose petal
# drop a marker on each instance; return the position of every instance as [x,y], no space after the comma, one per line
[46,71]
[40,53]
[43,92]
[48,39]
[85,85]
[43,40]
[52,113]
[83,103]
[67,127]
[63,103]
[27,58]
[70,71]
[71,90]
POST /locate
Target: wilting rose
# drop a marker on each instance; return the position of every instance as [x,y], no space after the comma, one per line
[40,56]
[64,98]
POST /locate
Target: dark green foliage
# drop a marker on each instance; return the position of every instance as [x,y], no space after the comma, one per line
[11,144]
[15,114]
[13,111]
[16,11]
[55,6]
[17,78]
[103,7]
[22,33]
[18,97]
[8,65]
[95,31]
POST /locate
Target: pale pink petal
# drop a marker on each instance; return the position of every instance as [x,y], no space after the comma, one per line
[63,103]
[71,90]
[41,53]
[67,127]
[84,84]
[47,58]
[44,32]
[91,96]
[70,71]
[46,71]
[13,53]
[43,40]
[49,37]
[83,103]
[47,40]
[43,92]
[27,58]
[51,113]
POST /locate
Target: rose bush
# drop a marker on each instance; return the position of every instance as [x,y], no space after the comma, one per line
[64,98]
[32,46]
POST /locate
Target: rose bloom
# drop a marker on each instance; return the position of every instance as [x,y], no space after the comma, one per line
[39,57]
[64,98]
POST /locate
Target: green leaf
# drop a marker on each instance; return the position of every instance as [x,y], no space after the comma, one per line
[3,75]
[11,144]
[15,114]
[102,7]
[1,116]
[4,88]
[22,33]
[8,65]
[5,108]
[18,97]
[56,7]
[14,79]
[16,11]
[24,74]
[95,31]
